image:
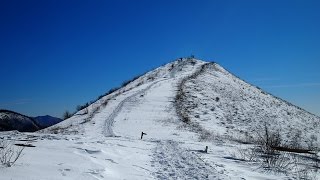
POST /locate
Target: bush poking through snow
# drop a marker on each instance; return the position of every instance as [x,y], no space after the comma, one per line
[9,154]
[312,142]
[276,156]
[66,115]
[80,107]
[269,140]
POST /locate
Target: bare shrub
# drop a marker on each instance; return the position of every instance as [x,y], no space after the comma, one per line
[66,115]
[9,153]
[296,140]
[272,159]
[242,137]
[281,162]
[205,135]
[312,142]
[80,107]
[250,154]
[275,156]
[94,110]
[105,103]
[268,140]
[86,111]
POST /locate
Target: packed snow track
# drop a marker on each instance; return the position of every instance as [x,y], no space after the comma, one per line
[110,120]
[175,162]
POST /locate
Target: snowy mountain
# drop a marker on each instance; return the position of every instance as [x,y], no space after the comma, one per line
[46,121]
[183,108]
[10,120]
[226,105]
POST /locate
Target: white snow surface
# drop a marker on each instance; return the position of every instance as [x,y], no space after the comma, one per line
[103,141]
[226,105]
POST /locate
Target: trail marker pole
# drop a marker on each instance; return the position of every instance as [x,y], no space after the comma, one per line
[142,133]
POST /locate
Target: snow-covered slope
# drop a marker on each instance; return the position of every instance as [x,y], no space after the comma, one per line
[159,84]
[224,104]
[182,107]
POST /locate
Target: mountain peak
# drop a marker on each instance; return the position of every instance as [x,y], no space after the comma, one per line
[180,109]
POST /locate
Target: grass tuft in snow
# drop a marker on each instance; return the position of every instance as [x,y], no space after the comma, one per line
[9,153]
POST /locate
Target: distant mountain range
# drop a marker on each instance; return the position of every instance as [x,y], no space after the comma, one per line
[46,121]
[10,120]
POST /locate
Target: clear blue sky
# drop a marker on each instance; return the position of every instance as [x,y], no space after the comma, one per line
[57,54]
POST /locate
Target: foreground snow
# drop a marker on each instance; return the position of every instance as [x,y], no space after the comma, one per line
[75,157]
